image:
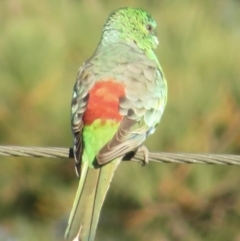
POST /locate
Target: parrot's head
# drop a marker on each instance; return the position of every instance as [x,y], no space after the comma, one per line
[132,25]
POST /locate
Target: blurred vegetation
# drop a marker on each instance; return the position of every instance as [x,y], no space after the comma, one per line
[42,45]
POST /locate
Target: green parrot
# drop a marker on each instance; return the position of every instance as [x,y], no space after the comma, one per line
[118,100]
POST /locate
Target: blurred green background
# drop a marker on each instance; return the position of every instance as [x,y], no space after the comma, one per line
[42,45]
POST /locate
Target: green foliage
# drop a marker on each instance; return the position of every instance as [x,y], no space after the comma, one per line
[42,45]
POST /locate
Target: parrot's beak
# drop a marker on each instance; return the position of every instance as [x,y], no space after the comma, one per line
[156,41]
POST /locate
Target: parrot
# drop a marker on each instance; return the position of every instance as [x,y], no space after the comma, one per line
[118,99]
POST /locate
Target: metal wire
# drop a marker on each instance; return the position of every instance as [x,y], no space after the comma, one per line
[162,157]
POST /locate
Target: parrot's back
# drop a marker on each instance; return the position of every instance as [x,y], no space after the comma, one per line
[118,99]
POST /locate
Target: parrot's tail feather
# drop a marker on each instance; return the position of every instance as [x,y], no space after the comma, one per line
[92,189]
[71,224]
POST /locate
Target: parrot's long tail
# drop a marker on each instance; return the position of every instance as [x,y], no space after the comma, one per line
[92,189]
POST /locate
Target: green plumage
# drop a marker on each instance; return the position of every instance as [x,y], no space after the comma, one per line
[125,58]
[89,205]
[98,134]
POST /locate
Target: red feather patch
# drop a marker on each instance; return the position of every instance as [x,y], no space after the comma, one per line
[103,102]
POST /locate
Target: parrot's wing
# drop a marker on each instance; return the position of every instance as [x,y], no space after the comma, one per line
[130,135]
[80,97]
[141,108]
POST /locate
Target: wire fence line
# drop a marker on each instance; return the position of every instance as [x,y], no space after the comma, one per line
[161,157]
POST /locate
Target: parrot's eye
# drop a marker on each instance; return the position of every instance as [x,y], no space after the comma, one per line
[149,27]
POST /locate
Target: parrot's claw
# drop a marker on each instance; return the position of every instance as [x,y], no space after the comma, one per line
[145,152]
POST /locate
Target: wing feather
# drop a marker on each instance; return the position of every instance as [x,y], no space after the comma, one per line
[79,105]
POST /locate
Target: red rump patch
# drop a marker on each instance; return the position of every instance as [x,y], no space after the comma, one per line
[103,102]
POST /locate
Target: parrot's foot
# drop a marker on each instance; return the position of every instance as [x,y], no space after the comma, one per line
[145,152]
